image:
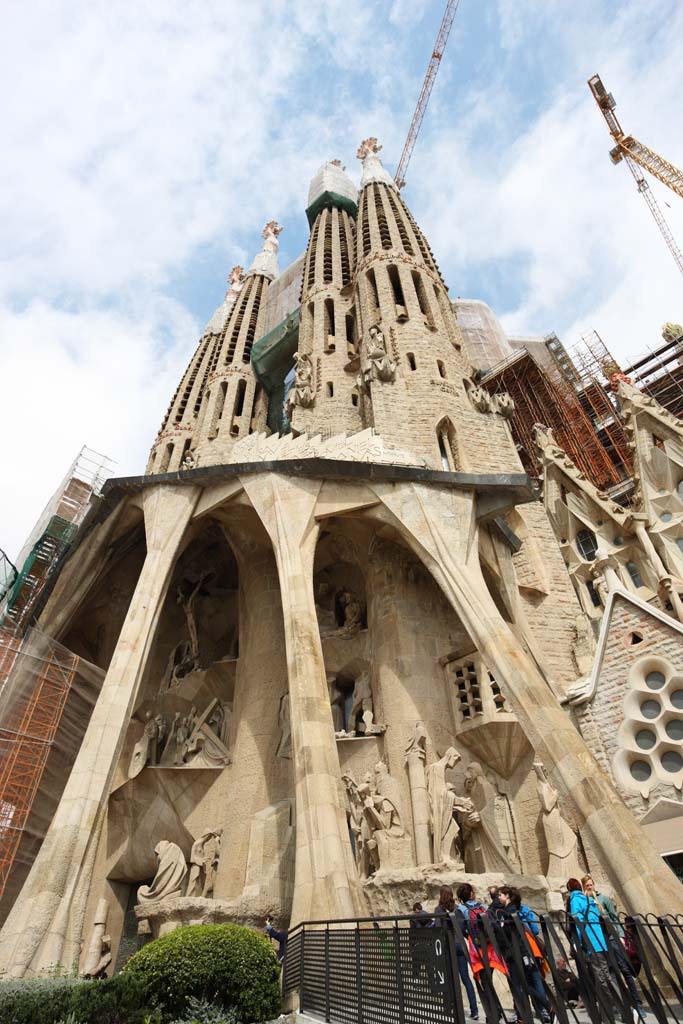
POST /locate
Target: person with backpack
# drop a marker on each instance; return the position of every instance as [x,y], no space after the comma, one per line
[475,917]
[615,939]
[584,916]
[446,907]
[524,949]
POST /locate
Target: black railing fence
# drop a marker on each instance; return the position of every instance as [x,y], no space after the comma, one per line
[419,969]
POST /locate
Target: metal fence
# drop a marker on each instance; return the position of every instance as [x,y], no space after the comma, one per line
[416,969]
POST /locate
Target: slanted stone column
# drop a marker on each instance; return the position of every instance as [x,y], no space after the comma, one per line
[45,925]
[440,526]
[324,883]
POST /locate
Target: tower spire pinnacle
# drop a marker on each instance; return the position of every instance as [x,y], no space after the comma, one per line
[220,317]
[372,165]
[265,262]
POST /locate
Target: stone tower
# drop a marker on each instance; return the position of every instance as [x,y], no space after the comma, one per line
[339,657]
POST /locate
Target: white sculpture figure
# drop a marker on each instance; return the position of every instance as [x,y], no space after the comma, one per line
[170,877]
[205,741]
[379,365]
[146,748]
[365,847]
[336,704]
[563,847]
[189,461]
[302,391]
[284,747]
[204,863]
[389,804]
[443,803]
[484,851]
[362,709]
[98,956]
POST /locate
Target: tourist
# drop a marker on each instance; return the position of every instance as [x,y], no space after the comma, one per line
[478,942]
[493,892]
[446,907]
[522,949]
[279,937]
[567,983]
[420,941]
[615,938]
[591,939]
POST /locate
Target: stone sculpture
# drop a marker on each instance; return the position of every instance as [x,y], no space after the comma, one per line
[443,803]
[189,460]
[364,845]
[337,702]
[362,710]
[188,602]
[384,820]
[671,332]
[479,397]
[563,847]
[146,749]
[98,955]
[170,877]
[204,858]
[484,846]
[205,740]
[302,392]
[505,822]
[284,747]
[378,364]
[504,404]
[351,610]
[415,755]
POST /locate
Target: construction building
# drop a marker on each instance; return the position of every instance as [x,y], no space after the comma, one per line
[343,655]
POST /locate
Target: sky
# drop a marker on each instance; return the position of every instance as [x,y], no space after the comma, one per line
[145,146]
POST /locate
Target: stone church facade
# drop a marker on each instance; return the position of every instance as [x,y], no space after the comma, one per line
[345,659]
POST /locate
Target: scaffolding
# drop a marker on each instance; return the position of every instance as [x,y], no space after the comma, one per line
[544,394]
[53,535]
[596,367]
[659,373]
[38,677]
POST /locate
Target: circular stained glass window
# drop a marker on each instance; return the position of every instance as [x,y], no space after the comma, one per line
[641,771]
[650,708]
[677,699]
[646,739]
[666,517]
[674,729]
[672,761]
[655,680]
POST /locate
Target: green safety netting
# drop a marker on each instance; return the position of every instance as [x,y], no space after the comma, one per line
[330,199]
[39,564]
[272,357]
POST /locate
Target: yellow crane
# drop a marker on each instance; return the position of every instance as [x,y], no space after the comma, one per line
[637,155]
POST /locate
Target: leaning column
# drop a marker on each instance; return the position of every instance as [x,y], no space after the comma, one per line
[44,927]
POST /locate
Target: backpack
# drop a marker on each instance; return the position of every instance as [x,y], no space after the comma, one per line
[473,914]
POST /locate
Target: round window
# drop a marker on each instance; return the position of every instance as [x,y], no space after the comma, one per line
[641,771]
[646,739]
[650,708]
[677,699]
[672,761]
[674,729]
[666,517]
[655,680]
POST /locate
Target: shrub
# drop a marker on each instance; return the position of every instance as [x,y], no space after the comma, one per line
[117,1000]
[200,1011]
[222,963]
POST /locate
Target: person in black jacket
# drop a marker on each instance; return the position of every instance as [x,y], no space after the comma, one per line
[446,907]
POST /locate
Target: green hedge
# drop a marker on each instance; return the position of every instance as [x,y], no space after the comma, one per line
[117,1000]
[224,963]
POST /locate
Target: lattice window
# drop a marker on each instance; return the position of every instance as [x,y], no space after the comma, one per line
[467,690]
[498,698]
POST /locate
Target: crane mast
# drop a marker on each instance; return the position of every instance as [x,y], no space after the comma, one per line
[418,116]
[636,155]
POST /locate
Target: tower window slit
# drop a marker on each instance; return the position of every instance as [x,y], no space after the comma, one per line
[237,324]
[374,294]
[327,250]
[410,356]
[239,397]
[344,251]
[329,389]
[365,223]
[254,407]
[252,323]
[354,398]
[421,295]
[384,233]
[312,249]
[443,452]
[395,279]
[441,368]
[329,319]
[400,223]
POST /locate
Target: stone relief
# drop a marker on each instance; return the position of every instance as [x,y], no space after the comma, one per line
[376,822]
[302,392]
[484,849]
[204,858]
[284,747]
[169,880]
[378,364]
[146,750]
[98,955]
[443,804]
[505,822]
[563,847]
[196,740]
[416,755]
[351,611]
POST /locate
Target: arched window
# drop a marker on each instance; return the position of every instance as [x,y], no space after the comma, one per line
[448,446]
[587,544]
[441,368]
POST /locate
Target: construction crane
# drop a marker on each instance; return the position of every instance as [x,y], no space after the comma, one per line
[427,85]
[635,153]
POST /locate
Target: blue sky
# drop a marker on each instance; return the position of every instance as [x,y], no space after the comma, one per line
[148,144]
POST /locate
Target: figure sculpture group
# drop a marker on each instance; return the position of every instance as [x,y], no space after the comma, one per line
[196,740]
[173,878]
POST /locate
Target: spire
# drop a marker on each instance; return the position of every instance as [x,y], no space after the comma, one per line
[330,186]
[372,165]
[265,263]
[220,317]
